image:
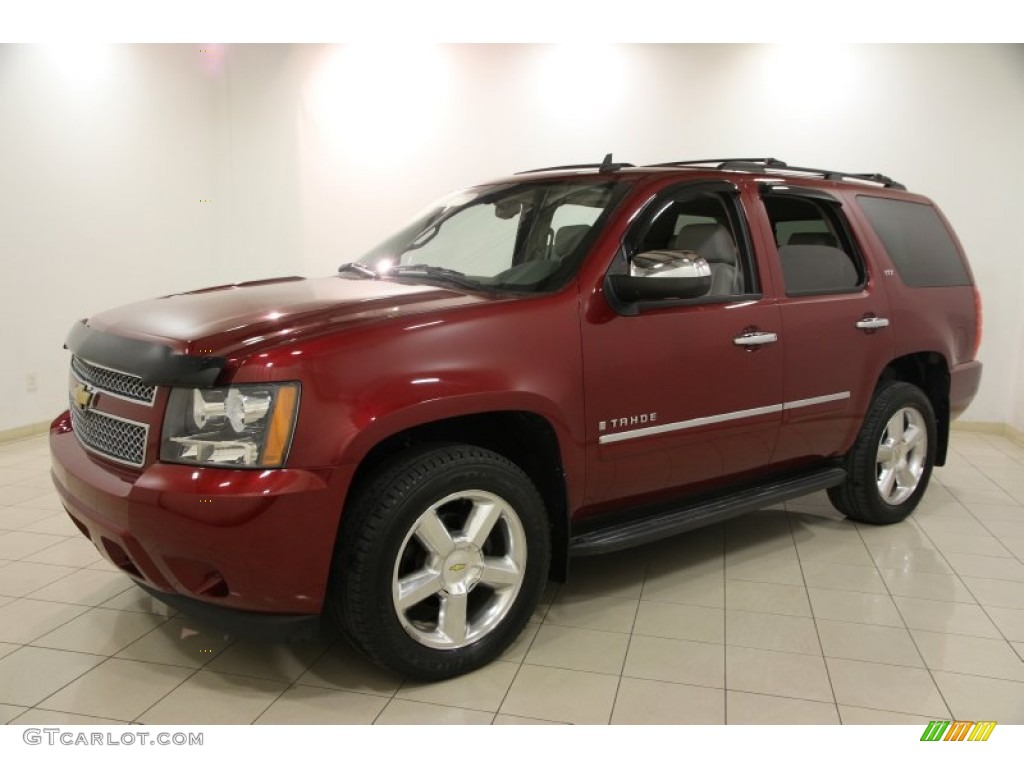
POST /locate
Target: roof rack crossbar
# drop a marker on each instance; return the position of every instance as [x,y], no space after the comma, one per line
[877,178]
[771,163]
[725,162]
[605,166]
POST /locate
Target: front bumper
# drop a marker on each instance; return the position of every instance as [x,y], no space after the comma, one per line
[263,627]
[239,539]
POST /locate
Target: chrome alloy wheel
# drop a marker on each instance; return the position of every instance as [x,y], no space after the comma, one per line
[902,455]
[459,569]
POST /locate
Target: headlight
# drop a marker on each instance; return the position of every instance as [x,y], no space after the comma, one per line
[248,425]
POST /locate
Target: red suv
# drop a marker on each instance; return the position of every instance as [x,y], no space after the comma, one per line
[565,362]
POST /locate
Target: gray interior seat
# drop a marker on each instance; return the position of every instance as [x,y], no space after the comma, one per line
[714,244]
[812,238]
[817,268]
[567,238]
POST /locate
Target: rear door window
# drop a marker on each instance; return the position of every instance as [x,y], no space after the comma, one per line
[816,252]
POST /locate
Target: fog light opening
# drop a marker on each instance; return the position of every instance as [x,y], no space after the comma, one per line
[213,586]
[120,558]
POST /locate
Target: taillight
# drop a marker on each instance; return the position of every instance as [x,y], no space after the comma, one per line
[977,322]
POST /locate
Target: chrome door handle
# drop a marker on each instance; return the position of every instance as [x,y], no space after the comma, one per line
[873,323]
[755,339]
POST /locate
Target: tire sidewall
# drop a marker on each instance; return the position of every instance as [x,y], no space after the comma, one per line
[515,489]
[893,398]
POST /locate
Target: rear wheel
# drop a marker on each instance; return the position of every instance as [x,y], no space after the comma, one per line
[890,464]
[441,561]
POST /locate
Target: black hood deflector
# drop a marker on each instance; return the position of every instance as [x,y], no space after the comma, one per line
[154,363]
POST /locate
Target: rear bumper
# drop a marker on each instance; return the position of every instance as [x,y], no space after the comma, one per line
[244,540]
[964,380]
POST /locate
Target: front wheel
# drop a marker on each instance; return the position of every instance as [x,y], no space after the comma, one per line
[891,461]
[441,561]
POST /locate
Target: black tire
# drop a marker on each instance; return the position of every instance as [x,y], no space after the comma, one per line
[863,497]
[390,541]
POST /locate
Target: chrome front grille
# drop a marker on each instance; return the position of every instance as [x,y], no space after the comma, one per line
[115,383]
[118,439]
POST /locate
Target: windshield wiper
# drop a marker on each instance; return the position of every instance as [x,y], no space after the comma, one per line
[435,273]
[358,268]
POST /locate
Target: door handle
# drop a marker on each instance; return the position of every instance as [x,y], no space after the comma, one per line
[873,323]
[755,339]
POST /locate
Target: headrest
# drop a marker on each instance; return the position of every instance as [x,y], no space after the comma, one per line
[812,238]
[568,237]
[712,242]
[807,268]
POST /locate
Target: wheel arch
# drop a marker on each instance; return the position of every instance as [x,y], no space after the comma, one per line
[525,438]
[928,371]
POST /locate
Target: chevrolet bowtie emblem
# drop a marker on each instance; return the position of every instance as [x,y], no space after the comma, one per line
[82,396]
[458,567]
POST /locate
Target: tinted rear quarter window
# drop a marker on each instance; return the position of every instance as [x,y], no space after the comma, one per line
[917,241]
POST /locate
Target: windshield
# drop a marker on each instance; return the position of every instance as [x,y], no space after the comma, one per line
[528,236]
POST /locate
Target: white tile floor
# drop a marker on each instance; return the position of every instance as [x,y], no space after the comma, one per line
[792,615]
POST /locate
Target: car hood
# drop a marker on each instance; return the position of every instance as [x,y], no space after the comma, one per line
[228,318]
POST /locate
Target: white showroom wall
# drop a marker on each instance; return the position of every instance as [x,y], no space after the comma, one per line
[311,154]
[105,154]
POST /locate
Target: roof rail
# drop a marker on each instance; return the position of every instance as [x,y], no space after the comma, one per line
[724,162]
[772,164]
[605,166]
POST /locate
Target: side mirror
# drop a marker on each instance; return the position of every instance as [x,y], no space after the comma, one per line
[659,275]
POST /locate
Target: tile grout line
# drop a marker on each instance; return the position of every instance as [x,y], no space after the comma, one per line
[526,653]
[288,684]
[725,627]
[989,530]
[52,629]
[982,606]
[292,683]
[141,714]
[30,710]
[442,706]
[629,644]
[77,570]
[77,677]
[906,627]
[391,698]
[195,670]
[814,619]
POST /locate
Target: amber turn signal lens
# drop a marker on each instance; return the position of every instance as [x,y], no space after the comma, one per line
[280,432]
